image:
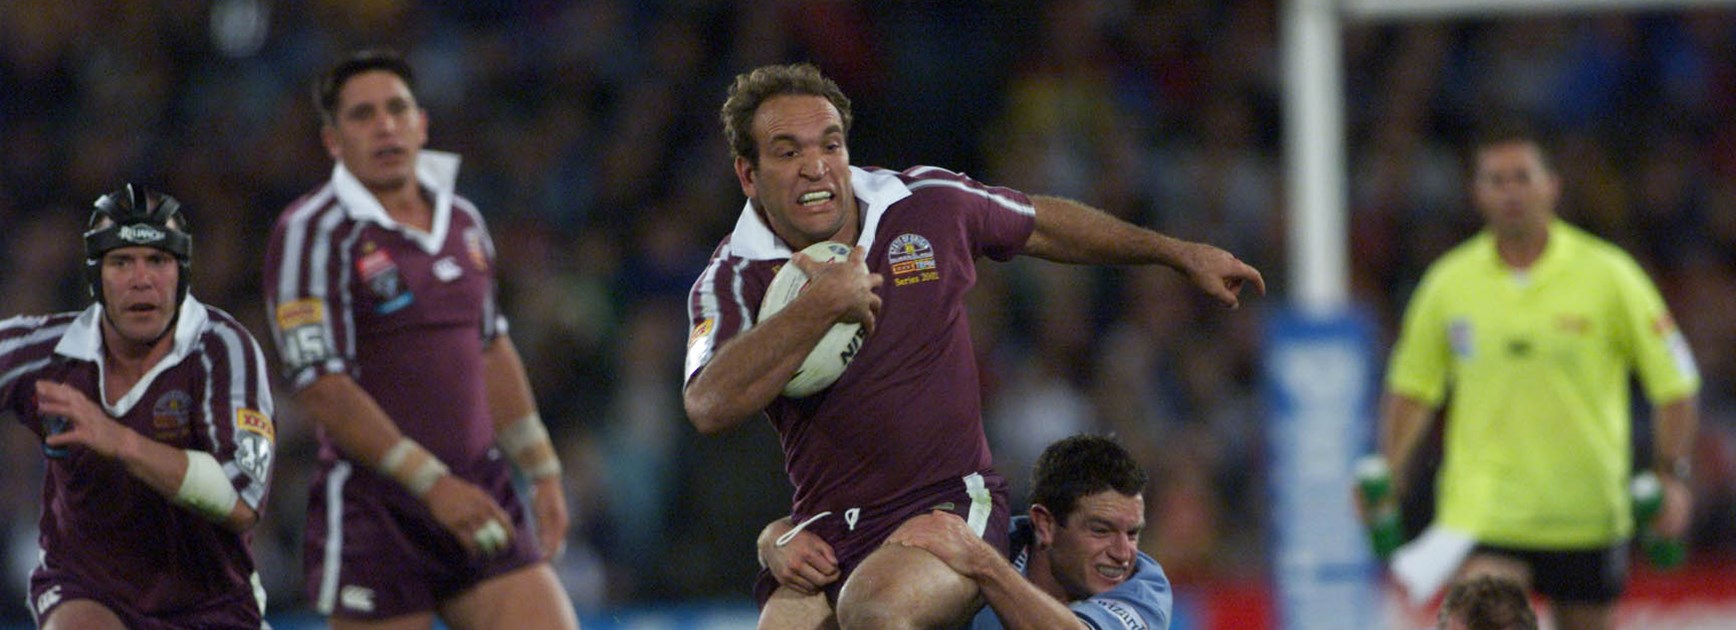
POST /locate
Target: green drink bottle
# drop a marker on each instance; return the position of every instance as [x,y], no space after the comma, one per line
[1385,528]
[1648,495]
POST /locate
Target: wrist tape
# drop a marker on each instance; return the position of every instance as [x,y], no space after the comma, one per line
[205,489]
[413,466]
[526,441]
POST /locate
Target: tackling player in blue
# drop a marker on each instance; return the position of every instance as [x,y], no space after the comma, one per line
[1075,558]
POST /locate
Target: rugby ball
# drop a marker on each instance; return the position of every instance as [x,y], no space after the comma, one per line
[837,348]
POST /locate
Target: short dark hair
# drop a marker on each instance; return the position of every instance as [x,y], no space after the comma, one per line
[325,93]
[1488,603]
[753,88]
[1509,130]
[1080,466]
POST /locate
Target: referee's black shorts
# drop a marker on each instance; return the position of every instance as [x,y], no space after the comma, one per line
[1573,576]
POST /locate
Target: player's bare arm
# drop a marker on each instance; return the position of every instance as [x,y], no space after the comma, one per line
[1674,426]
[751,369]
[367,436]
[1071,232]
[520,432]
[162,467]
[801,562]
[1018,603]
[1403,423]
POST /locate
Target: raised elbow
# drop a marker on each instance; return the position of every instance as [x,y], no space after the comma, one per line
[704,418]
[707,413]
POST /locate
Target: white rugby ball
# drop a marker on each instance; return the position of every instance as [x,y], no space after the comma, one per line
[837,348]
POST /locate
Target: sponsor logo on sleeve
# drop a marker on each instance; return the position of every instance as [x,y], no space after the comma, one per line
[700,331]
[254,434]
[302,312]
[253,421]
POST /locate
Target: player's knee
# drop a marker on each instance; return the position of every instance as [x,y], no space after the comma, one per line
[874,614]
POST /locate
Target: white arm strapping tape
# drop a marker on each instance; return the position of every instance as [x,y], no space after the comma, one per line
[526,441]
[412,466]
[205,488]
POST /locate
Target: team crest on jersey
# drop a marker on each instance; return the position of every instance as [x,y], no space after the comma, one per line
[171,416]
[1459,337]
[911,254]
[473,244]
[380,273]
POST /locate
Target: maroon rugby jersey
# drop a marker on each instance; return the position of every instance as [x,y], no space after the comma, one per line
[405,313]
[908,411]
[103,527]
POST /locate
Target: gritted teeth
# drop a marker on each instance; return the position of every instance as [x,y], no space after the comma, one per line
[818,196]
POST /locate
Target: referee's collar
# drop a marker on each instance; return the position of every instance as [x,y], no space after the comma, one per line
[436,171]
[1563,239]
[875,191]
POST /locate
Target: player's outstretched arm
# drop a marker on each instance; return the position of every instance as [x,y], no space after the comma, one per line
[750,370]
[519,431]
[192,479]
[801,562]
[1071,232]
[1018,603]
[361,429]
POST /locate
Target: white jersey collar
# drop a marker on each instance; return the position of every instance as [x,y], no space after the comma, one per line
[436,171]
[875,191]
[83,342]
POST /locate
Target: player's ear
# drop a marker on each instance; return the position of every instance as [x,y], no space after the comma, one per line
[328,136]
[1043,526]
[744,173]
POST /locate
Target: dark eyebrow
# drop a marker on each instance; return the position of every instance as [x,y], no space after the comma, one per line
[791,138]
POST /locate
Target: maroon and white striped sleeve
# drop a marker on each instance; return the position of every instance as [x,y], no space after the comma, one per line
[307,267]
[235,419]
[716,309]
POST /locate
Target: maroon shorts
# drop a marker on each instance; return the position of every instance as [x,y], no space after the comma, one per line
[49,589]
[374,551]
[854,533]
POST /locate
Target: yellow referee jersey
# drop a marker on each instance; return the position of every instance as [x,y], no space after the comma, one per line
[1538,430]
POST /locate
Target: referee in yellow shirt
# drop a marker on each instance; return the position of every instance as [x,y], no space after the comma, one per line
[1535,328]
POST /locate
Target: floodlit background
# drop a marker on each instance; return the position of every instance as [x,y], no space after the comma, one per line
[591,143]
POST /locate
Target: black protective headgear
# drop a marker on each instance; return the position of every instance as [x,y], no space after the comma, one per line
[134,216]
